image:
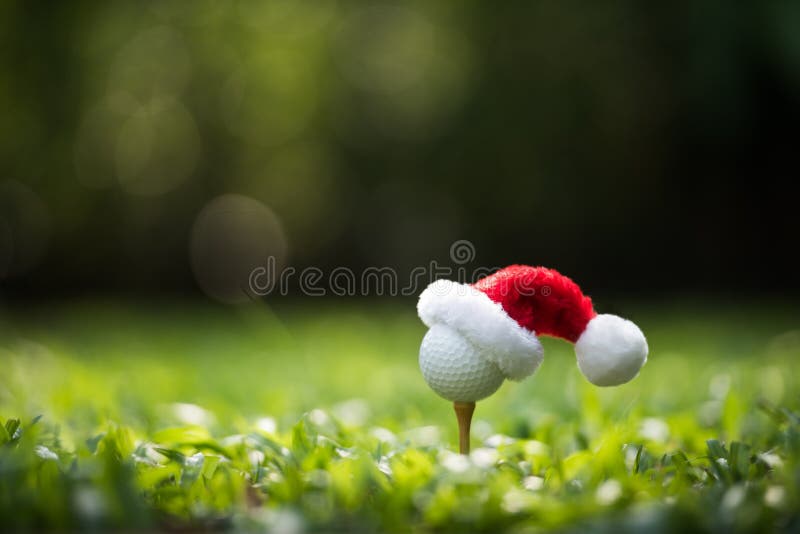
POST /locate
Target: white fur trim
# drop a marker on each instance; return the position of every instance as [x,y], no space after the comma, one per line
[515,350]
[611,350]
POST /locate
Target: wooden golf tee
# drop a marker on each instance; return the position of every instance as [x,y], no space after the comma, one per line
[464,412]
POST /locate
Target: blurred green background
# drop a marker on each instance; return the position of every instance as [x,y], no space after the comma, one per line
[640,149]
[152,154]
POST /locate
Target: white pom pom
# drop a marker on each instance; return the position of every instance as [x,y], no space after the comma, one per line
[611,350]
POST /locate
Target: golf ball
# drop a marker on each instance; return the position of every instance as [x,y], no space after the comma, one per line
[455,368]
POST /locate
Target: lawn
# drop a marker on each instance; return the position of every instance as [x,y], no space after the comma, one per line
[313,416]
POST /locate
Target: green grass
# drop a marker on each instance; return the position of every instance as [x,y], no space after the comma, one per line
[316,418]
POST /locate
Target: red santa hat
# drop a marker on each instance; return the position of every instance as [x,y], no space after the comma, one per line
[503,313]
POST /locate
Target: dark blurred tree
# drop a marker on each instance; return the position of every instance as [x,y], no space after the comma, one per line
[636,147]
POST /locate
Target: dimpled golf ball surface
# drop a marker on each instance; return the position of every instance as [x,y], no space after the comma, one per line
[453,367]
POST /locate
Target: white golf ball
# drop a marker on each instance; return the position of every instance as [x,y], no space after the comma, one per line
[454,368]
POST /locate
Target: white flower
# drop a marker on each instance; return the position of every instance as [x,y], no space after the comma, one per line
[608,492]
[774,496]
[44,453]
[654,429]
[533,483]
[484,457]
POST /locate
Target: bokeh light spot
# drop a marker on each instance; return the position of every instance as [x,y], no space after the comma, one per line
[156,62]
[95,140]
[270,99]
[157,148]
[233,235]
[411,73]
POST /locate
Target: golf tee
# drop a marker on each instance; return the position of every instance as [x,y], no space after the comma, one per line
[464,411]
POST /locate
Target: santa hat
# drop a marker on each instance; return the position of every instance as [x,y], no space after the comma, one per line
[502,314]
